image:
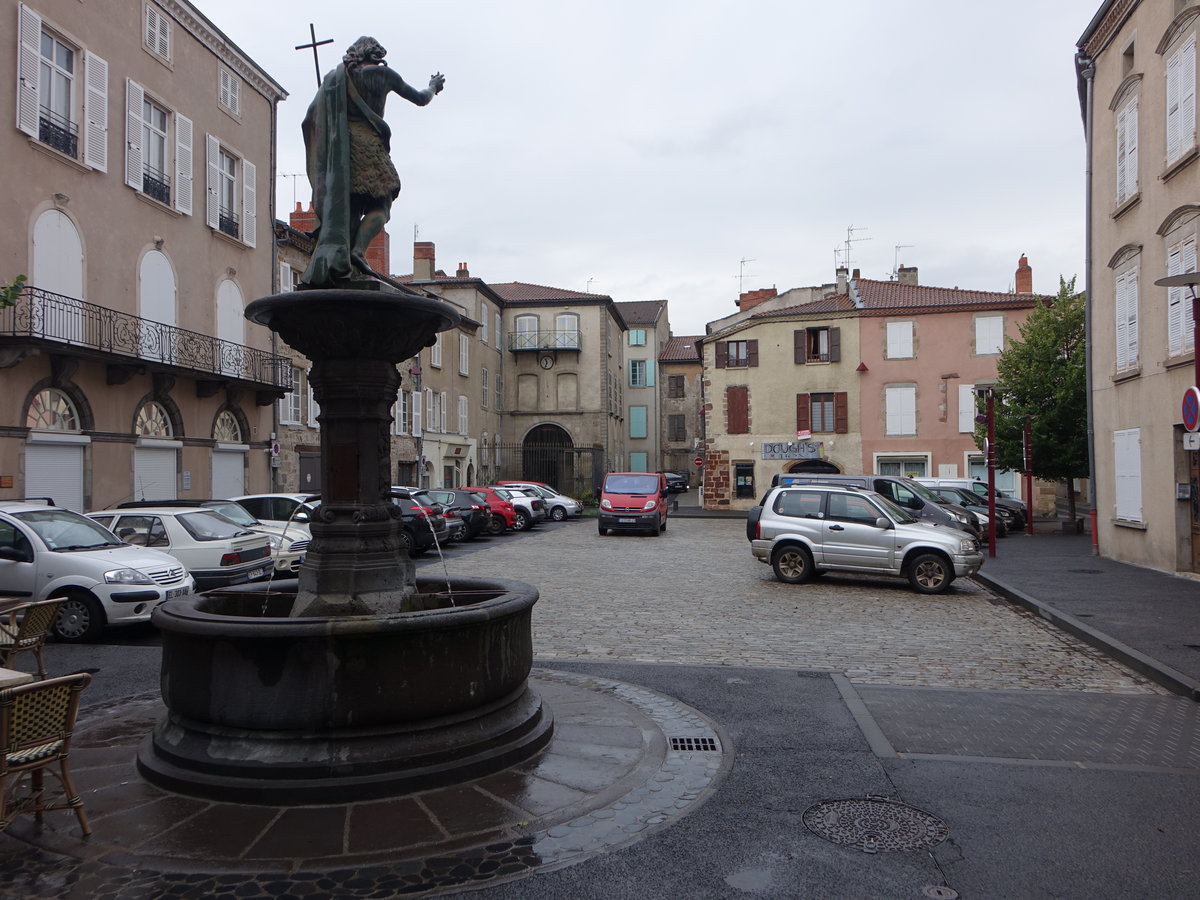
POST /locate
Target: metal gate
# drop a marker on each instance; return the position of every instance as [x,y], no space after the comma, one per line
[571,470]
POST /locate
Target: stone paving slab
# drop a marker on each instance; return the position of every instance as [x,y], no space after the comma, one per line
[1132,732]
[695,596]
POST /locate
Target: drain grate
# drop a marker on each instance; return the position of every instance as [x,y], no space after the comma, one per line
[875,824]
[702,745]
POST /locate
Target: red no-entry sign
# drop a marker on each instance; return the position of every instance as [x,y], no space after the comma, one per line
[699,460]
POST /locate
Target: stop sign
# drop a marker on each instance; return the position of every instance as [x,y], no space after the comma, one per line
[699,460]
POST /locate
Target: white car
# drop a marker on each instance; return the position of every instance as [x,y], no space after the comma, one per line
[531,508]
[558,506]
[280,509]
[47,551]
[289,543]
[215,550]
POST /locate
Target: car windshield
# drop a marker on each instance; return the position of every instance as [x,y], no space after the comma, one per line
[64,530]
[235,512]
[923,492]
[503,494]
[900,515]
[210,526]
[631,484]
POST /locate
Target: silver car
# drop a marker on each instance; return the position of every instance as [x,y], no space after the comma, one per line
[805,529]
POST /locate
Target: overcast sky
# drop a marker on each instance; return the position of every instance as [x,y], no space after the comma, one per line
[644,149]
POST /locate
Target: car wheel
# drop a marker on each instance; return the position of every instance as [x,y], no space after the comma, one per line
[558,513]
[496,526]
[930,574]
[793,564]
[80,619]
[524,523]
[406,542]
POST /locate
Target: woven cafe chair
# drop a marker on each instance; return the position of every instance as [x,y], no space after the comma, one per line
[36,721]
[24,628]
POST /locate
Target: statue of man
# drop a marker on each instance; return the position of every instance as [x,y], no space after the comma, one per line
[348,152]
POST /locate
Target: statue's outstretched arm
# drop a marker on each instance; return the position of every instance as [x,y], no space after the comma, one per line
[408,92]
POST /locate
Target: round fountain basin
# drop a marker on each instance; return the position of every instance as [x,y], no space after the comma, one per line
[299,709]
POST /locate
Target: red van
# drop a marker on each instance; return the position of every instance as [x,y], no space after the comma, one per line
[633,501]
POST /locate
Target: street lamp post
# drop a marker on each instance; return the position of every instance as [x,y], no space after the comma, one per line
[1189,280]
[989,417]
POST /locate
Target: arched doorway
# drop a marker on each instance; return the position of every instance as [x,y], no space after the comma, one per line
[813,467]
[547,455]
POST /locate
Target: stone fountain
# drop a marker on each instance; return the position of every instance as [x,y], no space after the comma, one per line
[357,679]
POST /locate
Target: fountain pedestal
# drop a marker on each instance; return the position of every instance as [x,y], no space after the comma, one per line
[358,679]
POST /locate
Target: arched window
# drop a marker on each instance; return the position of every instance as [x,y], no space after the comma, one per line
[227,429]
[153,421]
[526,337]
[231,327]
[57,255]
[52,410]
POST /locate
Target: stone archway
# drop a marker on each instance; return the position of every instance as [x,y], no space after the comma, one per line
[813,467]
[547,455]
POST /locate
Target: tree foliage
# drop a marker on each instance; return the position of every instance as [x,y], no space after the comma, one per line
[1043,380]
[10,292]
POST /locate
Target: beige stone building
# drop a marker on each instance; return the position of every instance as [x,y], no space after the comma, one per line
[1137,78]
[138,145]
[780,393]
[682,376]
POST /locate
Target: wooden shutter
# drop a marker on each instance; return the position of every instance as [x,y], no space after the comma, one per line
[803,412]
[800,347]
[249,202]
[835,344]
[212,153]
[28,70]
[183,164]
[722,353]
[737,409]
[752,353]
[95,112]
[841,412]
[134,97]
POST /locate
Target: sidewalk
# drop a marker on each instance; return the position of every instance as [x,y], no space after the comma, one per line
[1148,620]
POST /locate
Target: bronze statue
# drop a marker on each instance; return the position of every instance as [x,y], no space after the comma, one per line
[348,150]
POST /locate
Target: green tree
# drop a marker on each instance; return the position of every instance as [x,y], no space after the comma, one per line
[1043,381]
[10,292]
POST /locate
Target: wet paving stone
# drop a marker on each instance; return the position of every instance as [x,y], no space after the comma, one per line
[589,792]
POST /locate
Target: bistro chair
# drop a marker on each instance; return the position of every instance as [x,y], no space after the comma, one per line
[36,721]
[24,628]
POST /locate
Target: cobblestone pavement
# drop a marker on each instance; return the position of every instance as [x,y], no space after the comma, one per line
[695,596]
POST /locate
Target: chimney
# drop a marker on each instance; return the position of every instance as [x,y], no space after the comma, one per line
[750,299]
[843,284]
[462,271]
[303,219]
[379,253]
[1024,276]
[907,275]
[856,275]
[423,261]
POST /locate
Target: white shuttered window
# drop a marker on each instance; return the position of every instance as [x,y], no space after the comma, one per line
[1180,336]
[1127,319]
[901,406]
[1127,460]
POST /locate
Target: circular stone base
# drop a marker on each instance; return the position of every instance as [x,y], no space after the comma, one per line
[624,762]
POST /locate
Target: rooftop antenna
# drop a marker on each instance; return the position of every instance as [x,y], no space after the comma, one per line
[313,46]
[588,289]
[293,176]
[851,239]
[896,262]
[416,232]
[741,275]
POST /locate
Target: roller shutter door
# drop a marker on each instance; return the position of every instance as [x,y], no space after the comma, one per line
[154,473]
[55,470]
[228,473]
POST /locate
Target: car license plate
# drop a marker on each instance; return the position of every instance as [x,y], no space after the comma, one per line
[259,573]
[176,592]
[626,521]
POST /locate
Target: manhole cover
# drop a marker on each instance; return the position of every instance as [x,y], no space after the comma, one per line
[875,824]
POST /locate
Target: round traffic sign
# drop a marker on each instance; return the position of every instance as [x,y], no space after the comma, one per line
[1191,408]
[699,460]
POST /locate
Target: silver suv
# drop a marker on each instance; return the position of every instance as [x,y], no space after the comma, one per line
[804,529]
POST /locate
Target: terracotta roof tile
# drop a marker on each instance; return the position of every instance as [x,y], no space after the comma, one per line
[834,303]
[518,291]
[681,349]
[885,297]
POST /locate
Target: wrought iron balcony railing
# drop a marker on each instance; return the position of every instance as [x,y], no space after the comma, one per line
[156,184]
[544,340]
[60,133]
[44,315]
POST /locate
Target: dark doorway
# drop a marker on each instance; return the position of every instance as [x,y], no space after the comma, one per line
[545,456]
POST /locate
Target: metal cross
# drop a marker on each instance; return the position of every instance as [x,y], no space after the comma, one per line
[314,45]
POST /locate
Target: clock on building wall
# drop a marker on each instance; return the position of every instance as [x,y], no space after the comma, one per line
[546,362]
